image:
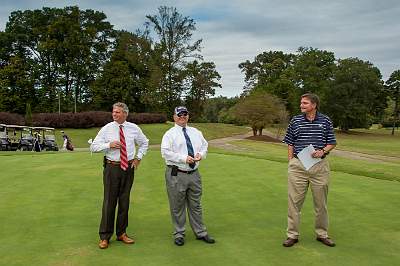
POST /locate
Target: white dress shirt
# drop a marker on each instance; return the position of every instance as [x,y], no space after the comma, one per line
[174,149]
[110,132]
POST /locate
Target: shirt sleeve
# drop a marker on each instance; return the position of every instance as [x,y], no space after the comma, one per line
[167,151]
[99,143]
[330,133]
[143,144]
[289,137]
[203,147]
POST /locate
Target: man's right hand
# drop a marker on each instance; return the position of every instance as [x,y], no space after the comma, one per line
[115,144]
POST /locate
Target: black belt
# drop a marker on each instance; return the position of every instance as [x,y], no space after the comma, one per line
[183,171]
[117,162]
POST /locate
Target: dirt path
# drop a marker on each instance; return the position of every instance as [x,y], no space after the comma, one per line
[267,136]
[224,143]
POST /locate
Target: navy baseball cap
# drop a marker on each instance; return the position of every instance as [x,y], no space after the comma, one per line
[180,110]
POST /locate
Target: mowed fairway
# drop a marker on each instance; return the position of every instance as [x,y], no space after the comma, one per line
[51,205]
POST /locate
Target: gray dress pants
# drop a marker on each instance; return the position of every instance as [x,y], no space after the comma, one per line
[184,191]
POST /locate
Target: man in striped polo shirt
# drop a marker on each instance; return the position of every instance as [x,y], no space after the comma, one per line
[311,127]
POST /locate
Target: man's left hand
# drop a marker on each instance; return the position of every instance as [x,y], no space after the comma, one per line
[135,164]
[318,154]
[197,157]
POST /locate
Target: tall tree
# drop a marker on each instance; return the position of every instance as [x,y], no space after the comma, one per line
[201,81]
[16,86]
[126,77]
[393,89]
[65,47]
[313,70]
[351,101]
[269,72]
[175,47]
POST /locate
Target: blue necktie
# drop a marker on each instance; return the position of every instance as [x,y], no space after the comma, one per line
[189,147]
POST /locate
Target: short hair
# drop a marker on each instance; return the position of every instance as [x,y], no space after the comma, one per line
[123,106]
[313,98]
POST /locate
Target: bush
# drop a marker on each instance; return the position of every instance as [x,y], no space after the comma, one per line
[11,119]
[389,123]
[79,120]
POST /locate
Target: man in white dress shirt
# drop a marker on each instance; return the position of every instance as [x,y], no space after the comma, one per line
[117,139]
[183,148]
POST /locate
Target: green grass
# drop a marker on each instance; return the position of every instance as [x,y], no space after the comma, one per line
[51,205]
[154,132]
[278,152]
[370,141]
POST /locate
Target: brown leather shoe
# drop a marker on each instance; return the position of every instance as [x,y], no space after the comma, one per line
[125,238]
[290,242]
[326,241]
[103,244]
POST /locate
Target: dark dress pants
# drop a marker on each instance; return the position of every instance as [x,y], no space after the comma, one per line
[117,187]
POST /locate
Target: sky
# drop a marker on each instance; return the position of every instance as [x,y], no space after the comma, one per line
[234,31]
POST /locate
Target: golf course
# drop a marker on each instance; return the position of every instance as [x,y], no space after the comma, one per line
[50,205]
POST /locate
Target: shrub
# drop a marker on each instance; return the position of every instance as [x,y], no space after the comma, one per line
[11,119]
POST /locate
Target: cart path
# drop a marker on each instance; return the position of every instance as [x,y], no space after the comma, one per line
[225,143]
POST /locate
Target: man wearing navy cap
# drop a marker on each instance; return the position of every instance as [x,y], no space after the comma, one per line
[183,148]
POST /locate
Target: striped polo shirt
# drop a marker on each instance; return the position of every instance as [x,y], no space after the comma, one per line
[301,132]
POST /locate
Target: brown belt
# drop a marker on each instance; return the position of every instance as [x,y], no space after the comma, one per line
[117,162]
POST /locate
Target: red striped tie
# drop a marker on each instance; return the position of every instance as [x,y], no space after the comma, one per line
[123,154]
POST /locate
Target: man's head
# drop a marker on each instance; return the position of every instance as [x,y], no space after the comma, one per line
[309,102]
[181,116]
[120,112]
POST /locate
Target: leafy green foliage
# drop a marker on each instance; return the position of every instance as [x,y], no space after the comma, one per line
[393,90]
[259,110]
[355,88]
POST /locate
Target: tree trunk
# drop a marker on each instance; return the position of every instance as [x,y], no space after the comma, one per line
[254,131]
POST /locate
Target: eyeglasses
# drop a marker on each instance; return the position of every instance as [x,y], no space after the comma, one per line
[183,114]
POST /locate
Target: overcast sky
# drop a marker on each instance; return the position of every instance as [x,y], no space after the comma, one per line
[234,31]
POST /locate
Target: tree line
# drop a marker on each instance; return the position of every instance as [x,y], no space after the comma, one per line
[73,60]
[352,91]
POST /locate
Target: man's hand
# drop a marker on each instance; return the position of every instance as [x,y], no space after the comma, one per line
[318,154]
[190,159]
[115,144]
[198,157]
[135,164]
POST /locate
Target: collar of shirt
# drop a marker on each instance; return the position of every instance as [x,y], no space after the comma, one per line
[316,118]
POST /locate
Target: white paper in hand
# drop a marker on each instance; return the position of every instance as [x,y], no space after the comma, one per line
[305,157]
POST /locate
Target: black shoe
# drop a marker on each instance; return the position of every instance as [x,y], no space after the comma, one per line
[326,241]
[290,242]
[179,241]
[208,239]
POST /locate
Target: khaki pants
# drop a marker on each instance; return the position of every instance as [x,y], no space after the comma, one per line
[298,181]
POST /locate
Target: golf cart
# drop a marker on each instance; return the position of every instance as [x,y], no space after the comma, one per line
[4,141]
[20,138]
[46,138]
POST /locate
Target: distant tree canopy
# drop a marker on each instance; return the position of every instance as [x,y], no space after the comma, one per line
[351,90]
[67,59]
[51,56]
[393,91]
[72,60]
